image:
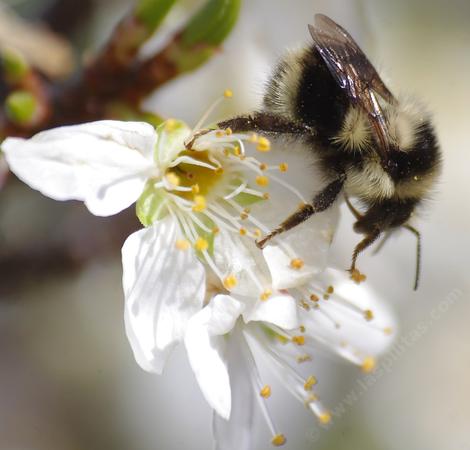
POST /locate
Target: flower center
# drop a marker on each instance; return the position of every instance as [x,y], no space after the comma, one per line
[200,176]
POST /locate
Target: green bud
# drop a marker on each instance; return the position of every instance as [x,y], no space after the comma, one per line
[150,206]
[152,12]
[14,65]
[212,24]
[204,33]
[20,107]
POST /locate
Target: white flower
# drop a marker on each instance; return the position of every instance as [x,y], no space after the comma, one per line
[341,317]
[196,192]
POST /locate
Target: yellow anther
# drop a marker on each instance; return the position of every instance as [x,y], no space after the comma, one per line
[283,167]
[325,418]
[199,203]
[201,244]
[242,231]
[219,134]
[302,328]
[298,340]
[310,382]
[312,398]
[170,124]
[173,179]
[326,296]
[266,195]
[388,331]
[262,180]
[228,93]
[228,131]
[182,244]
[257,232]
[237,151]
[368,364]
[330,289]
[263,166]
[265,391]
[253,138]
[304,305]
[278,440]
[216,230]
[303,358]
[230,281]
[263,145]
[357,276]
[297,263]
[314,298]
[265,295]
[195,189]
[368,314]
[243,215]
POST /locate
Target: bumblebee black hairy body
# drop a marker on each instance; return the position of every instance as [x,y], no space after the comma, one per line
[368,144]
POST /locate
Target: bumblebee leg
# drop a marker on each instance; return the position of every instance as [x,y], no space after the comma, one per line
[322,201]
[264,123]
[351,207]
[418,253]
[366,242]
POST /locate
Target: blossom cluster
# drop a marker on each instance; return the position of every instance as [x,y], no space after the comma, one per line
[194,275]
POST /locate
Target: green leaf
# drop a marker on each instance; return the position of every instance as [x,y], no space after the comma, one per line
[20,107]
[152,12]
[150,206]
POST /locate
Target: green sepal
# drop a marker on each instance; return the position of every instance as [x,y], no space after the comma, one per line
[150,205]
[20,107]
[152,12]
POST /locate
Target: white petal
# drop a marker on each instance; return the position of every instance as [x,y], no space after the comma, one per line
[241,258]
[105,164]
[236,432]
[279,309]
[206,348]
[164,287]
[309,242]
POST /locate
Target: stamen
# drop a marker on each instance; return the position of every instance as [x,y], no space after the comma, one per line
[262,180]
[369,315]
[199,203]
[201,244]
[182,244]
[283,167]
[310,382]
[230,282]
[298,340]
[368,364]
[266,294]
[263,145]
[228,93]
[173,179]
[279,440]
[265,392]
[297,263]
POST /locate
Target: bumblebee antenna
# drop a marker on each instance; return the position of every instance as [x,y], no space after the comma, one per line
[418,253]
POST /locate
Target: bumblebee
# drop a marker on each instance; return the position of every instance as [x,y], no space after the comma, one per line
[369,145]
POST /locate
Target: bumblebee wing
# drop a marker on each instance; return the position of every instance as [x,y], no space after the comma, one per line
[354,73]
